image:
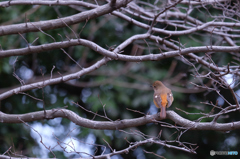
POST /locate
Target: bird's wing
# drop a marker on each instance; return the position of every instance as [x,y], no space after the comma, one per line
[157,100]
[169,99]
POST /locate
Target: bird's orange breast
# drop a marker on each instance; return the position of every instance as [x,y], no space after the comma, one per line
[164,100]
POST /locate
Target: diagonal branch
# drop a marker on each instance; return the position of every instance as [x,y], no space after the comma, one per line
[57,23]
[54,80]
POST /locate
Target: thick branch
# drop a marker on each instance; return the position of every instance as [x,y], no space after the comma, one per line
[119,124]
[47,3]
[113,55]
[58,23]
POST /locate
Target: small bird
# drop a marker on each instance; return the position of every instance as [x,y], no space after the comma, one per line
[162,97]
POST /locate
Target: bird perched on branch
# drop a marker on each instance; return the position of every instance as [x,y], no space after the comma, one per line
[162,97]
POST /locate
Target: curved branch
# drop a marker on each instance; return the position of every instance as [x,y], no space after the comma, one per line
[58,23]
[119,124]
[54,80]
[118,56]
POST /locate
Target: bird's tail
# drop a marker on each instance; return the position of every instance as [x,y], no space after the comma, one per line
[163,113]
